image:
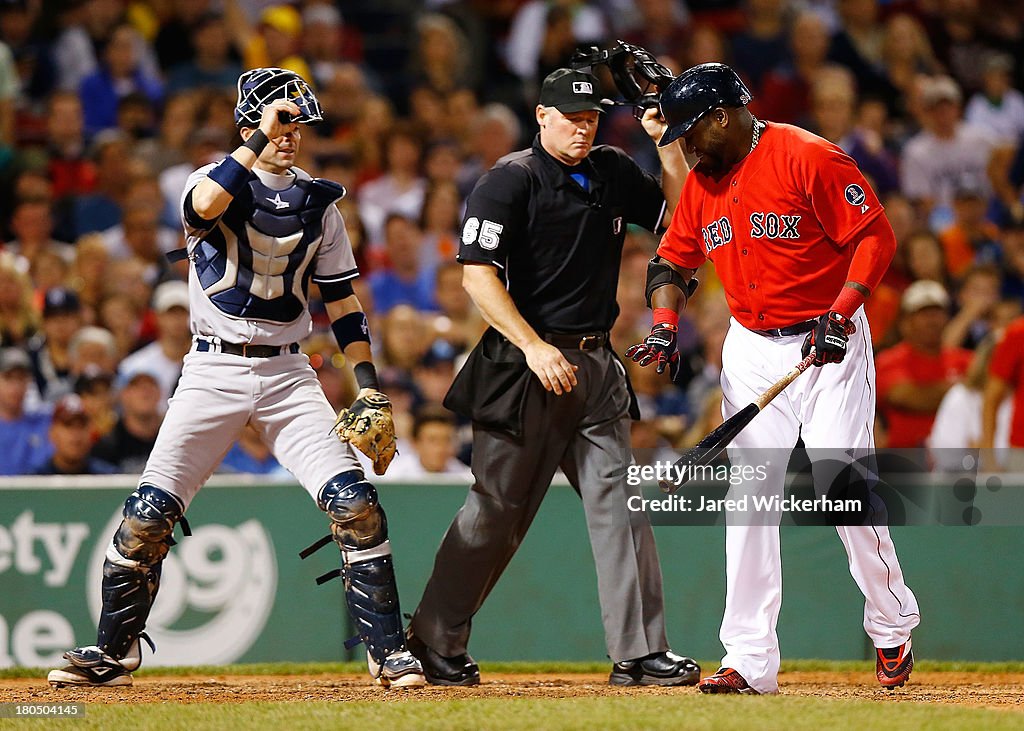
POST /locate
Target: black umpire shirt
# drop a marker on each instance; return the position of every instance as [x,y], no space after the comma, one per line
[557,244]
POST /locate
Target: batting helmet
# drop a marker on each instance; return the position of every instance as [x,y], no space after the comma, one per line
[258,87]
[697,91]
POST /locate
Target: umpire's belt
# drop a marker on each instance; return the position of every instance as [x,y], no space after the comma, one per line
[784,332]
[216,345]
[582,341]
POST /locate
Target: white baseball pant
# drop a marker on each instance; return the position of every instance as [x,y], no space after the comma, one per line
[832,407]
[219,394]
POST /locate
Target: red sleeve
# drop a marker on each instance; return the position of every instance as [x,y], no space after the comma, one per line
[680,244]
[1006,360]
[841,198]
[873,253]
[889,371]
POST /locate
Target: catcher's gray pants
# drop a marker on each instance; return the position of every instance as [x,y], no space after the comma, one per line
[219,394]
[586,433]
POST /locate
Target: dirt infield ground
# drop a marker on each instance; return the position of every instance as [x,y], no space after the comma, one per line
[991,690]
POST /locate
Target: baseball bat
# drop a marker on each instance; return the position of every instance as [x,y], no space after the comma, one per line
[708,448]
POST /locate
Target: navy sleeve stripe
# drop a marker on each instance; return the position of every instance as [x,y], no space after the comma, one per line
[350,274]
[194,219]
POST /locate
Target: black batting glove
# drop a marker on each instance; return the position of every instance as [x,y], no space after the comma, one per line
[828,339]
[658,347]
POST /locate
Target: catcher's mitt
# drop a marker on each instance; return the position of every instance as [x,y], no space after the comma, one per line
[367,425]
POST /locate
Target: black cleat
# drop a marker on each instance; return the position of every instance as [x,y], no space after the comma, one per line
[660,668]
[400,670]
[90,666]
[441,670]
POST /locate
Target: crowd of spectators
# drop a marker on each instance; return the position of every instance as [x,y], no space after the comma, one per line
[107,105]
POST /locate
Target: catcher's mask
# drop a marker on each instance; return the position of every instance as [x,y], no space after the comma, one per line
[259,87]
[636,72]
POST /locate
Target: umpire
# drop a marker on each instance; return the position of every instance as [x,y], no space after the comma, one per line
[541,245]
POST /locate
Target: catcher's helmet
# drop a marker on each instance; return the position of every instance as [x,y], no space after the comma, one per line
[697,91]
[258,87]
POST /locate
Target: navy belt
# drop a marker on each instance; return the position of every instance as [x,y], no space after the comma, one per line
[583,341]
[247,350]
[784,332]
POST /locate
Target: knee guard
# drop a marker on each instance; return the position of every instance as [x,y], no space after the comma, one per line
[150,515]
[131,568]
[360,529]
[357,519]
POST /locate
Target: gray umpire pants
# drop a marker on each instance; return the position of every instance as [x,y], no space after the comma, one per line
[586,433]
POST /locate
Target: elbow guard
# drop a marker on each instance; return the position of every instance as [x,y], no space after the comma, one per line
[660,274]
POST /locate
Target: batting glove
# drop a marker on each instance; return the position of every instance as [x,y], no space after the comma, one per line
[659,347]
[828,339]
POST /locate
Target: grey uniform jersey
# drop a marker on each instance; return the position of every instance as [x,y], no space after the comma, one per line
[251,268]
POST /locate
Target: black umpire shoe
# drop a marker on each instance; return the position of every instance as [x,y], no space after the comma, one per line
[660,668]
[441,670]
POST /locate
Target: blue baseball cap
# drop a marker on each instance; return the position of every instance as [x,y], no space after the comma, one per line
[59,301]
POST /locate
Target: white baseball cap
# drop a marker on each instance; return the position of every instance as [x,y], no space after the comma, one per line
[925,293]
[941,89]
[170,294]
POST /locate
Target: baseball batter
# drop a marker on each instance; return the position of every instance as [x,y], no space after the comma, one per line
[258,230]
[799,241]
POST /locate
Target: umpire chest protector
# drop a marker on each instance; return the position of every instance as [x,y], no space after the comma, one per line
[255,264]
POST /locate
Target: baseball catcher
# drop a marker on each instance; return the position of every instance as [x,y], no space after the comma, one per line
[258,230]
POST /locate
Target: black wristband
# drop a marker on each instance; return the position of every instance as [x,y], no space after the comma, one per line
[351,328]
[366,375]
[257,142]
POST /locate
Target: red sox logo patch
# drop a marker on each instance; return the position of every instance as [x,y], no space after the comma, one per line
[855,196]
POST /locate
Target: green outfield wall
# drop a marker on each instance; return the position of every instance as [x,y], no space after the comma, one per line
[236,591]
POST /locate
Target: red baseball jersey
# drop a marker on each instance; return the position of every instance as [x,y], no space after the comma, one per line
[777,226]
[1008,364]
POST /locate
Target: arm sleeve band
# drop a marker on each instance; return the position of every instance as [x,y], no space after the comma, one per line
[848,301]
[230,175]
[257,142]
[660,274]
[334,291]
[192,218]
[366,375]
[665,316]
[351,328]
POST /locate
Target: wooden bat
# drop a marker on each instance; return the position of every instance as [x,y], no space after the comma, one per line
[708,448]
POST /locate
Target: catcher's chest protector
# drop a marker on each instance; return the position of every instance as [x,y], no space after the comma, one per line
[255,264]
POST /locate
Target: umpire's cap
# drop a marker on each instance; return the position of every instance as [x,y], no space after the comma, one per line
[697,91]
[258,87]
[571,91]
